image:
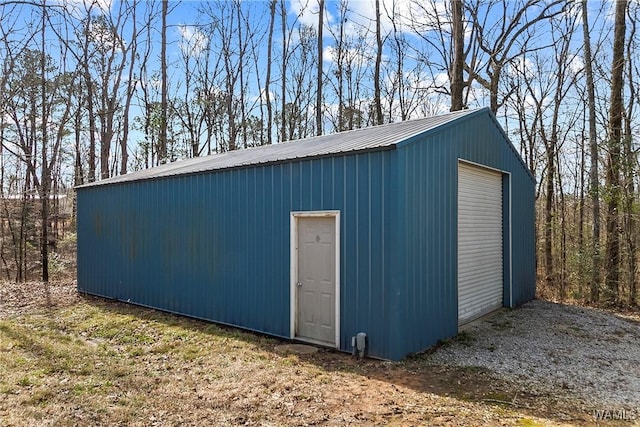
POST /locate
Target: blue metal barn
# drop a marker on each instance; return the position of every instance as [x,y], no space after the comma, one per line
[402,231]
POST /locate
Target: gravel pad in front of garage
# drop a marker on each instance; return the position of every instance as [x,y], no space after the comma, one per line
[564,350]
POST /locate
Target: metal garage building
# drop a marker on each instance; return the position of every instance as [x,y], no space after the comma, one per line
[401,231]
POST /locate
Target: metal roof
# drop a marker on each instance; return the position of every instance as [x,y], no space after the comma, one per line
[375,137]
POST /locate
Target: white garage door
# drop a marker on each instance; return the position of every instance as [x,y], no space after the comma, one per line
[479,242]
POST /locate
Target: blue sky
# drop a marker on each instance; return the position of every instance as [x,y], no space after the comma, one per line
[185,33]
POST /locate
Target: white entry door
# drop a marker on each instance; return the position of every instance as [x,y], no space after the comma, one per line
[479,241]
[316,279]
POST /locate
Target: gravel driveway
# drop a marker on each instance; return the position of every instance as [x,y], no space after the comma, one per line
[568,351]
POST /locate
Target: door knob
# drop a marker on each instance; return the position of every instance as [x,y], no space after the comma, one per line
[299,284]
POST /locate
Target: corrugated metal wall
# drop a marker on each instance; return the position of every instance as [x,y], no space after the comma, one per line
[216,245]
[428,190]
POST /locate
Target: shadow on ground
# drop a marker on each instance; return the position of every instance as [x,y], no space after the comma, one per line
[418,372]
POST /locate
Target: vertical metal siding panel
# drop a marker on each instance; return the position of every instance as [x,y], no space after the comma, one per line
[451,293]
[362,238]
[448,159]
[194,227]
[107,248]
[210,257]
[315,184]
[236,199]
[175,253]
[348,221]
[223,291]
[160,216]
[506,246]
[280,223]
[176,243]
[412,221]
[305,185]
[94,246]
[141,236]
[131,240]
[399,252]
[406,303]
[392,252]
[221,221]
[247,305]
[213,260]
[242,305]
[416,214]
[279,265]
[523,229]
[296,200]
[270,283]
[338,199]
[116,239]
[430,180]
[85,235]
[259,211]
[375,209]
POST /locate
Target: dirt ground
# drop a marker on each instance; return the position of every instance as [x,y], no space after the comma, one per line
[68,359]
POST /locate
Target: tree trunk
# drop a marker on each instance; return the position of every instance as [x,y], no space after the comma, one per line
[376,77]
[457,65]
[283,85]
[339,68]
[241,50]
[629,164]
[44,170]
[90,107]
[131,87]
[319,82]
[267,94]
[612,257]
[548,213]
[594,288]
[162,138]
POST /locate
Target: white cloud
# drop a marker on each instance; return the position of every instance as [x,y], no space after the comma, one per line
[192,41]
[329,54]
[307,12]
[356,57]
[81,8]
[576,64]
[521,66]
[407,14]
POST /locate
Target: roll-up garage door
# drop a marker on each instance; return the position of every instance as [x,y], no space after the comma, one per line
[479,242]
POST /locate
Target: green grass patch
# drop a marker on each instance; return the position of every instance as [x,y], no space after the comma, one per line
[103,363]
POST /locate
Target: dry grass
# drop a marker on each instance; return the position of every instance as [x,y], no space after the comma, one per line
[87,361]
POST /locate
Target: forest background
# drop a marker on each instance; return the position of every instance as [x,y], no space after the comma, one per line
[90,90]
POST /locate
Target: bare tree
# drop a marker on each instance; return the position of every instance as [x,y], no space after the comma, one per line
[502,31]
[162,137]
[267,84]
[320,74]
[629,164]
[376,76]
[594,184]
[457,64]
[612,169]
